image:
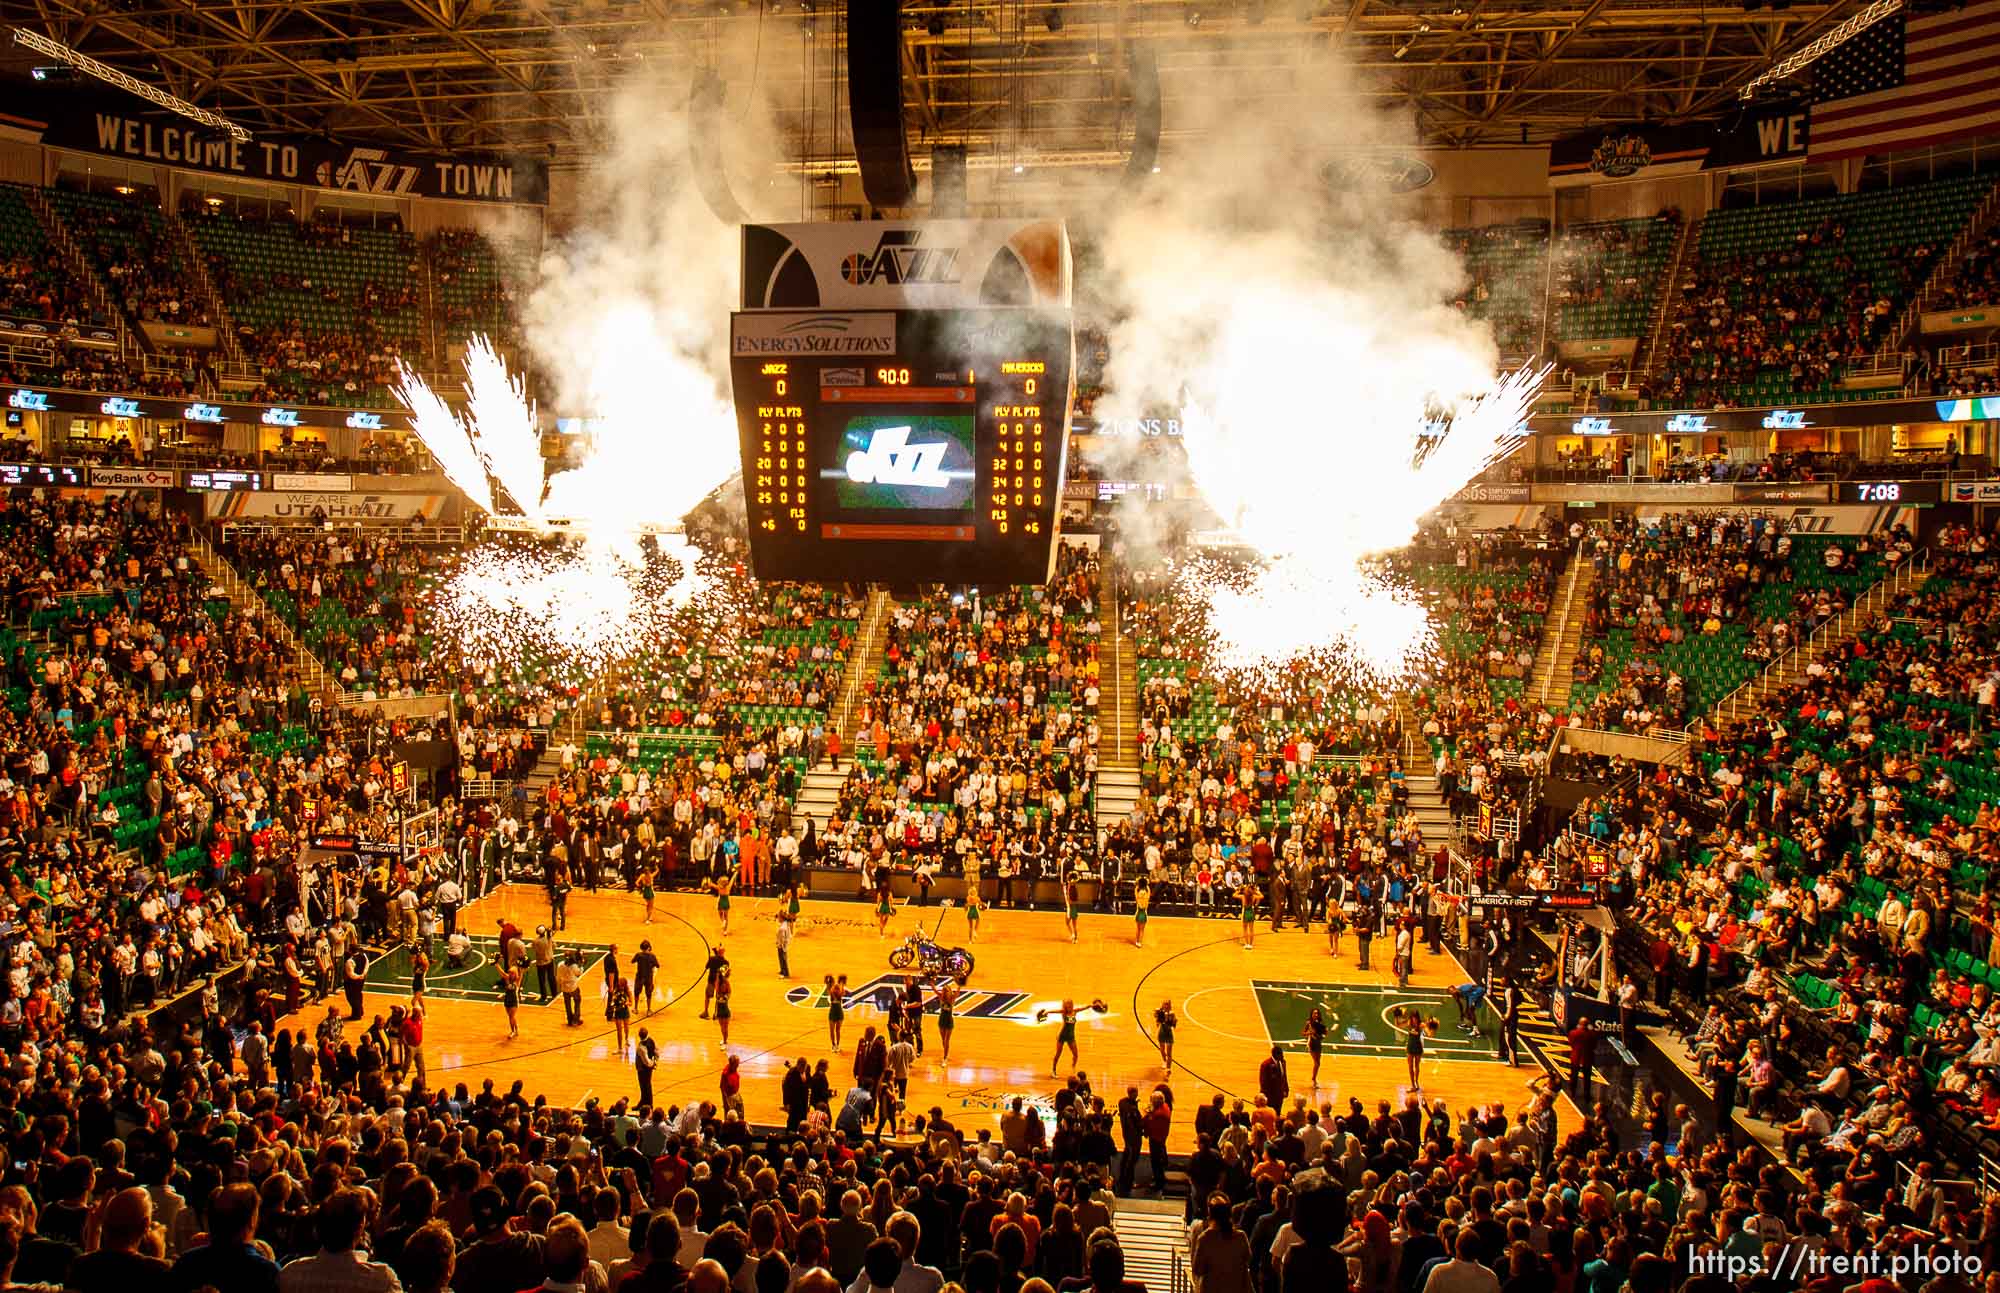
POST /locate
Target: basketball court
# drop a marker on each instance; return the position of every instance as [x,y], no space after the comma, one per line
[1234,1004]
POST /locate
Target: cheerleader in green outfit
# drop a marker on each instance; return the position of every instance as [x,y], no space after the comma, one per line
[646,890]
[1165,1021]
[1071,906]
[1067,1037]
[947,995]
[792,905]
[1247,895]
[722,884]
[972,909]
[883,905]
[836,1008]
[1142,898]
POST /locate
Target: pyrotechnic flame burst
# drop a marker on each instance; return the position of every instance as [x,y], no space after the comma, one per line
[571,612]
[1316,503]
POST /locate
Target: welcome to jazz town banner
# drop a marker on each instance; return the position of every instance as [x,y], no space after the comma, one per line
[117,127]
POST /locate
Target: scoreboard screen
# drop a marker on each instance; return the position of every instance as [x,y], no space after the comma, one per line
[906,445]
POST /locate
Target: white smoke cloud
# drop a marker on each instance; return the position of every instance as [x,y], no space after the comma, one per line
[629,315]
[1299,327]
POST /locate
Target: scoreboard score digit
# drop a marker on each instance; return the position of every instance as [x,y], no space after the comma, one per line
[905,445]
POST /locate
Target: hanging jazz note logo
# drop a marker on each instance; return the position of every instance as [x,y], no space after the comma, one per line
[890,459]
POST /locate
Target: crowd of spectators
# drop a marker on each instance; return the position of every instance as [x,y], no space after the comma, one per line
[355,597]
[473,294]
[126,238]
[1813,900]
[977,747]
[1799,311]
[1583,272]
[1977,281]
[298,364]
[1698,589]
[1503,272]
[42,289]
[217,1147]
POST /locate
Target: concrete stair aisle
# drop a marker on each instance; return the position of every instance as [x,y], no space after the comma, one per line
[1562,637]
[1117,792]
[225,327]
[83,271]
[1153,1235]
[572,728]
[1427,802]
[820,790]
[818,795]
[1118,693]
[1669,297]
[1117,711]
[864,668]
[1790,667]
[1925,297]
[248,599]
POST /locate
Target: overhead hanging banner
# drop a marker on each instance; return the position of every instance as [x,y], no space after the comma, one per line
[116,127]
[1751,138]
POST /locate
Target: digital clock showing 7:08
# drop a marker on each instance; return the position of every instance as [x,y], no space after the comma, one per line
[1891,491]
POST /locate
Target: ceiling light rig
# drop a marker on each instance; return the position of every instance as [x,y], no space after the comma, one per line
[112,76]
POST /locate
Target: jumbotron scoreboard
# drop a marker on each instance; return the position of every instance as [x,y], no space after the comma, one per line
[903,396]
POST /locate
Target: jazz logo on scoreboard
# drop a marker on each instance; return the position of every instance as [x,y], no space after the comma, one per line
[890,459]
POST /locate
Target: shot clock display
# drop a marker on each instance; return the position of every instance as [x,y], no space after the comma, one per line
[904,445]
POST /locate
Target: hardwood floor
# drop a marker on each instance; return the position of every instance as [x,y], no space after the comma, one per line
[1025,963]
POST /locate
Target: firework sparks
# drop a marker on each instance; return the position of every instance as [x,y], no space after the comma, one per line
[1338,500]
[565,612]
[504,426]
[447,438]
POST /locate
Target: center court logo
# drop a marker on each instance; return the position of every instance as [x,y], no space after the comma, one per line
[972,1003]
[890,459]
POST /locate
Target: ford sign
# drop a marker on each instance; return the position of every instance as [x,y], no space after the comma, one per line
[1785,420]
[117,407]
[365,421]
[1592,426]
[34,400]
[202,413]
[1687,424]
[281,417]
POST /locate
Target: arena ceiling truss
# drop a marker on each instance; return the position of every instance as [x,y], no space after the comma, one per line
[1040,78]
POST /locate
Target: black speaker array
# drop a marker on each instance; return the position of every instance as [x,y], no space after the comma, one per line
[1144,68]
[875,101]
[948,181]
[704,148]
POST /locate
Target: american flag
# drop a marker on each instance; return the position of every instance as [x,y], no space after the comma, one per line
[1908,82]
